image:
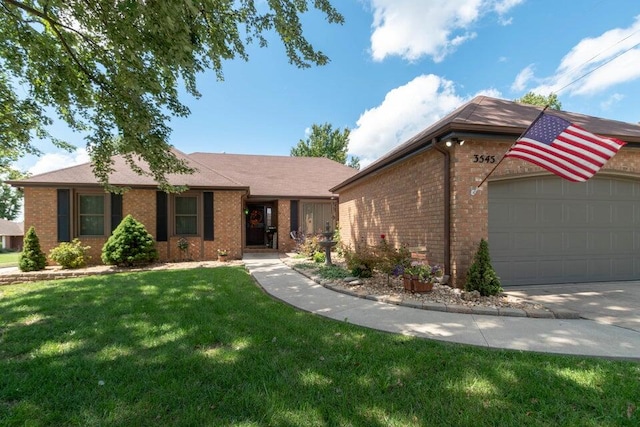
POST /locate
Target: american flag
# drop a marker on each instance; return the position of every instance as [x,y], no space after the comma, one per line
[564,149]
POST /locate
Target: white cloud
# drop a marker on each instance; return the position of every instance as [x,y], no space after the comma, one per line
[613,99]
[59,160]
[413,29]
[597,64]
[522,79]
[405,111]
[504,6]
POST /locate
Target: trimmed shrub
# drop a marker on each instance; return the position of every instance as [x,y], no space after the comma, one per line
[362,261]
[130,244]
[32,258]
[70,254]
[481,276]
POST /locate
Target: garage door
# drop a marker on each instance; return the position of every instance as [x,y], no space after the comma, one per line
[548,230]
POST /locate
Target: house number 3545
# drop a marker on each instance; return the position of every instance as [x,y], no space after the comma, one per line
[481,158]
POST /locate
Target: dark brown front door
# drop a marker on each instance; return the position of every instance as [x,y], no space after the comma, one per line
[256,225]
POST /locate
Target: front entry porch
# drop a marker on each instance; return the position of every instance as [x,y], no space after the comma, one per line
[261,226]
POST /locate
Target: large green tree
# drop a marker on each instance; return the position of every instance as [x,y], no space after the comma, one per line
[532,98]
[324,141]
[112,69]
[10,198]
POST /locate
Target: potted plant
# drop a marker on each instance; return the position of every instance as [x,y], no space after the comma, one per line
[223,255]
[420,276]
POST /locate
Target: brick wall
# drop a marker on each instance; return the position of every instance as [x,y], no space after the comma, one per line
[228,225]
[285,242]
[405,201]
[40,210]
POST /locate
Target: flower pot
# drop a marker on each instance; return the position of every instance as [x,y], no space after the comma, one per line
[406,279]
[223,258]
[420,286]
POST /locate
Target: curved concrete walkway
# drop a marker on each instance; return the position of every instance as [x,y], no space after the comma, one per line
[565,336]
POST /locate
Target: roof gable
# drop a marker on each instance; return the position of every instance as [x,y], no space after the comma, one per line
[484,115]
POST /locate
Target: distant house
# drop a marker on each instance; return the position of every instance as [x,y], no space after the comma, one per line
[11,234]
[541,229]
[235,202]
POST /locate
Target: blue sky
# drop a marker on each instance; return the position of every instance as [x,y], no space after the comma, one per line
[397,66]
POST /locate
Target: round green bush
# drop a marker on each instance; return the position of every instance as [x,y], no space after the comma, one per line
[70,254]
[130,244]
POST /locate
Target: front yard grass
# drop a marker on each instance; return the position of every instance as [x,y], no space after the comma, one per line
[208,347]
[9,259]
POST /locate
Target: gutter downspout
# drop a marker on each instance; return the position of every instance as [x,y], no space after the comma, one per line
[447,204]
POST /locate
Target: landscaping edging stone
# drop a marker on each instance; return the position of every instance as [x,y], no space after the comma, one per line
[549,313]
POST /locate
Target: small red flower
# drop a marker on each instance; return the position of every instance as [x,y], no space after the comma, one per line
[382,236]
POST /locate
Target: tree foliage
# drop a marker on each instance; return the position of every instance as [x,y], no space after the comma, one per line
[324,141]
[10,198]
[532,98]
[481,276]
[32,258]
[112,69]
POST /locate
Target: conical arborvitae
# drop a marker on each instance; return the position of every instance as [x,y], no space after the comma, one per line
[32,258]
[481,276]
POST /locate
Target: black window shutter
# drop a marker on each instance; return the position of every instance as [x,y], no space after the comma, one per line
[208,215]
[162,219]
[294,216]
[116,210]
[64,215]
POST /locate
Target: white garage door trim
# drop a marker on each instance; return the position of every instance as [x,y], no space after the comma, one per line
[546,230]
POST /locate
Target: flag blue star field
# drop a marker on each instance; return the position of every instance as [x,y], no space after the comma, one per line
[564,149]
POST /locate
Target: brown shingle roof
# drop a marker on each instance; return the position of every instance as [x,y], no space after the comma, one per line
[123,176]
[493,118]
[282,176]
[263,176]
[10,228]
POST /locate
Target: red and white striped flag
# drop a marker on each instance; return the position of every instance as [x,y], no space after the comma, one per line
[564,149]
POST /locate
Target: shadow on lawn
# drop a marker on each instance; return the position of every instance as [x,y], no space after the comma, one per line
[206,346]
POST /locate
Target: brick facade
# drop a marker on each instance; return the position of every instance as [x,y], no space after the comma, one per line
[405,201]
[40,210]
[285,241]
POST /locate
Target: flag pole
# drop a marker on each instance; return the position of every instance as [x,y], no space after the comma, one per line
[474,190]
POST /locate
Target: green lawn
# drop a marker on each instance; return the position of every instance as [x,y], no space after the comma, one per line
[9,259]
[208,347]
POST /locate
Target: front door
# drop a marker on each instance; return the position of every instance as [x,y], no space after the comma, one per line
[256,225]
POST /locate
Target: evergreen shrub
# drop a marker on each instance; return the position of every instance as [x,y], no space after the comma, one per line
[481,276]
[32,258]
[130,244]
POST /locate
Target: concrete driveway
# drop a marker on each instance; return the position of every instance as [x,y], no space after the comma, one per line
[611,303]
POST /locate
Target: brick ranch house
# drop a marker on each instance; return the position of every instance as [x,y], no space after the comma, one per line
[541,229]
[234,202]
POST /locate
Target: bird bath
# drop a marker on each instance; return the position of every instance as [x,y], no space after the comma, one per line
[327,244]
